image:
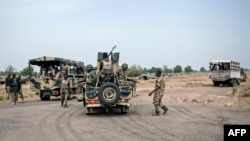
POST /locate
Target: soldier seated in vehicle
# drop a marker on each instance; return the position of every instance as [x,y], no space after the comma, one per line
[122,72]
[43,71]
[91,76]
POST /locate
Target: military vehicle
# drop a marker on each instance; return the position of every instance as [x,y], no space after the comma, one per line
[108,91]
[224,72]
[47,82]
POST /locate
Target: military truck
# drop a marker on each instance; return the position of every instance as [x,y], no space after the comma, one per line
[225,72]
[108,92]
[48,80]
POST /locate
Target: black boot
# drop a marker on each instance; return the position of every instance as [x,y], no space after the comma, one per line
[156,113]
[165,109]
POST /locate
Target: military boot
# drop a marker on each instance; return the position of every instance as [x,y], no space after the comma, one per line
[157,113]
[165,109]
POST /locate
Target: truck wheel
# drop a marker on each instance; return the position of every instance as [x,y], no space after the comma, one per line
[108,93]
[44,97]
[216,83]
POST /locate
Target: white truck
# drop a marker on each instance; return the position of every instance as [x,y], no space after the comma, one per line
[224,72]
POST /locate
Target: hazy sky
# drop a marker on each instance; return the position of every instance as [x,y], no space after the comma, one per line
[146,32]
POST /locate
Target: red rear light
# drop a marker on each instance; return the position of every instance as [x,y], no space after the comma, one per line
[124,100]
[92,101]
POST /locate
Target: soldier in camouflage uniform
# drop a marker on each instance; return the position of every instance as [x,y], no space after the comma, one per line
[90,80]
[19,88]
[158,94]
[91,76]
[7,86]
[122,73]
[13,88]
[64,90]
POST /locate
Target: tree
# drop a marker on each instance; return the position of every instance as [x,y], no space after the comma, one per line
[165,68]
[170,71]
[135,70]
[27,70]
[202,69]
[154,69]
[188,69]
[10,69]
[177,69]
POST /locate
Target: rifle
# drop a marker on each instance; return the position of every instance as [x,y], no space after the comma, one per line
[111,50]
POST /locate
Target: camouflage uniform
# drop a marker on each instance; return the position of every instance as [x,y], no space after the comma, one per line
[13,89]
[19,88]
[122,75]
[64,91]
[91,78]
[158,95]
[7,86]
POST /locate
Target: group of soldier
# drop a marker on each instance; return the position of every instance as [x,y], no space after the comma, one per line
[92,78]
[13,87]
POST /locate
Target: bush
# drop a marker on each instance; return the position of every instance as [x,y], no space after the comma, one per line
[1,97]
[247,94]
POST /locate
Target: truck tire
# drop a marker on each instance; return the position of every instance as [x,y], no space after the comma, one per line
[44,97]
[108,93]
[216,83]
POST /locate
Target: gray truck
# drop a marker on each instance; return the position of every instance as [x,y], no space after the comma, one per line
[225,72]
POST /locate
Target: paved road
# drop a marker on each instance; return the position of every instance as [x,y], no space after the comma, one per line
[44,121]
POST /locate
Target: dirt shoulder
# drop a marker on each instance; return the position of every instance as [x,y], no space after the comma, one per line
[194,88]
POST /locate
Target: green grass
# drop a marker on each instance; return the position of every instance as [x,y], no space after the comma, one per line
[247,93]
[1,97]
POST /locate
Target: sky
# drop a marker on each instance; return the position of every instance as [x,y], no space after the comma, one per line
[149,33]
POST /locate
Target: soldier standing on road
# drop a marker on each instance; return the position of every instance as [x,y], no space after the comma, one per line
[65,68]
[13,88]
[158,94]
[19,88]
[64,90]
[7,86]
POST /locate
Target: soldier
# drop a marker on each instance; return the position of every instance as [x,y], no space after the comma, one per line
[91,76]
[65,68]
[158,94]
[106,62]
[43,71]
[7,86]
[64,90]
[13,88]
[19,88]
[122,73]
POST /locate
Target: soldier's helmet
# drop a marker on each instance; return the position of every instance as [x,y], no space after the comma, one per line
[89,67]
[125,66]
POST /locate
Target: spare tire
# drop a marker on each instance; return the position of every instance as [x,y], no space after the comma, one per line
[108,93]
